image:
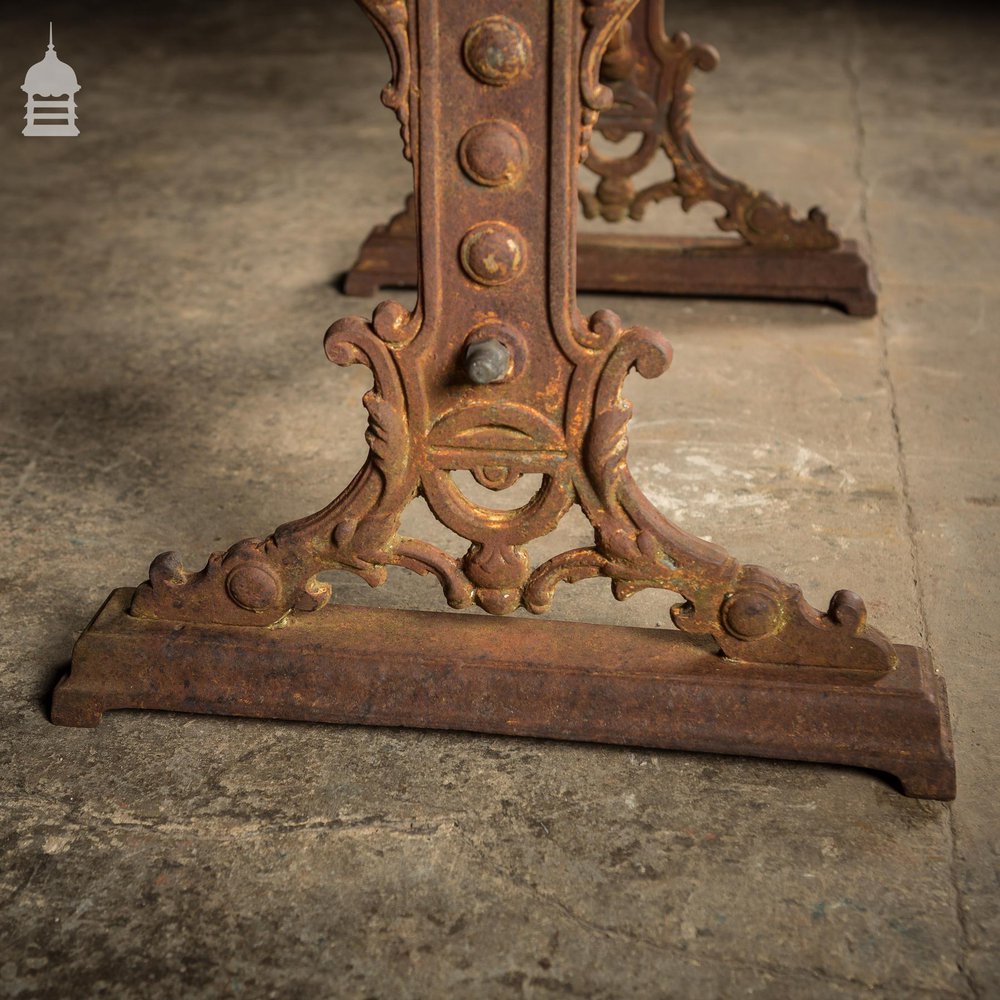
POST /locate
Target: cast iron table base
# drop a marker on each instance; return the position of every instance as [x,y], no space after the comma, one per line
[560,680]
[770,254]
[496,372]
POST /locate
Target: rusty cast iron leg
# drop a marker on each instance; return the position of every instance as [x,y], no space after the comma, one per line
[496,372]
[771,253]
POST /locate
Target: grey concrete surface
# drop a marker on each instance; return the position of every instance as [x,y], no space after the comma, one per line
[166,281]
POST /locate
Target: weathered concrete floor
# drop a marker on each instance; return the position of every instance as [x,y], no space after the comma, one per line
[166,282]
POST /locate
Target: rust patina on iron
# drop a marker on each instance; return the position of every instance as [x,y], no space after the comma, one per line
[560,680]
[495,371]
[770,254]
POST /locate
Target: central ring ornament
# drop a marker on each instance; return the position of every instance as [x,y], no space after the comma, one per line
[493,253]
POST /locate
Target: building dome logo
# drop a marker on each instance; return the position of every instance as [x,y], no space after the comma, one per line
[50,78]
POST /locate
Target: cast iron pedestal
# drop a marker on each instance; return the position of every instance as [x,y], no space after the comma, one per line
[495,371]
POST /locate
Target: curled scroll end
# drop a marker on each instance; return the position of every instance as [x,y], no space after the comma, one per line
[166,570]
[391,321]
[765,620]
[848,610]
[391,20]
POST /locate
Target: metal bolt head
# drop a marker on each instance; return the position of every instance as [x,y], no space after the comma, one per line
[486,361]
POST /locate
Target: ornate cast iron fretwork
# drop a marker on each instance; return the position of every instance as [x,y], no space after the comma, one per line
[649,74]
[563,416]
[495,371]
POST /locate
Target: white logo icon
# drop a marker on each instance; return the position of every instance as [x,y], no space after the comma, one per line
[50,78]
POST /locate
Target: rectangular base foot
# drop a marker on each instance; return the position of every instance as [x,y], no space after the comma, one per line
[562,680]
[660,265]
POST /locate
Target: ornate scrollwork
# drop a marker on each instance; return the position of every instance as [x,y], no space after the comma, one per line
[391,19]
[649,76]
[601,18]
[751,613]
[259,582]
[422,558]
[561,415]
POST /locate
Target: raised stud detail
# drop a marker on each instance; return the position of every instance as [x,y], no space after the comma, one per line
[493,253]
[493,153]
[751,614]
[497,50]
[252,587]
